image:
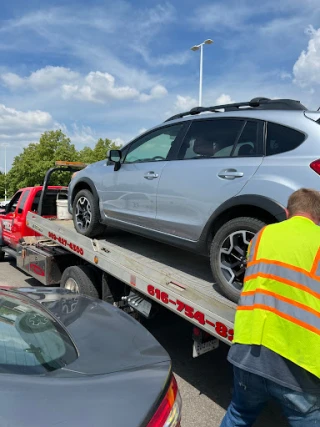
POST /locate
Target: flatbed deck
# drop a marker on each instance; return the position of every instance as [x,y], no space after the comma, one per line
[177,279]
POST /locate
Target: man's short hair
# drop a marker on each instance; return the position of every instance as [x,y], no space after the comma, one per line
[304,200]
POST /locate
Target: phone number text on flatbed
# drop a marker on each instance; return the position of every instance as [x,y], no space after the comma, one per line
[219,328]
[64,242]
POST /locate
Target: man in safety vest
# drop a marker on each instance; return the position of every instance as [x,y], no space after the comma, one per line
[276,347]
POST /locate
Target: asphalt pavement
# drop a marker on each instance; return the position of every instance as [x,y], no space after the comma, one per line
[205,383]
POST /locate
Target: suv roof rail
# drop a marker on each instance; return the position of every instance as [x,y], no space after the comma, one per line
[260,103]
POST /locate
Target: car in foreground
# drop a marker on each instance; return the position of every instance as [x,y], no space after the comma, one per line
[71,360]
[206,180]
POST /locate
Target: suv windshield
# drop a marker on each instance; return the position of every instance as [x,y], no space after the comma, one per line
[31,341]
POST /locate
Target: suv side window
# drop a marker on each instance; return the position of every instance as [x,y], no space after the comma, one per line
[210,138]
[281,139]
[153,147]
[249,143]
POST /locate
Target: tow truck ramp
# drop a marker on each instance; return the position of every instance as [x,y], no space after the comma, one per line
[177,279]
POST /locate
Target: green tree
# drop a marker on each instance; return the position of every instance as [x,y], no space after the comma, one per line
[29,167]
[99,152]
[2,180]
[101,149]
[86,155]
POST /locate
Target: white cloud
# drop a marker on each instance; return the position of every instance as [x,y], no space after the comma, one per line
[284,75]
[81,135]
[51,76]
[182,104]
[142,130]
[224,99]
[96,86]
[19,128]
[185,103]
[44,78]
[247,15]
[12,80]
[306,70]
[157,91]
[218,16]
[119,141]
[13,121]
[177,58]
[80,34]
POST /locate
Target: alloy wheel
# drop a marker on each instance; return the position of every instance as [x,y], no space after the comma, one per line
[83,213]
[233,257]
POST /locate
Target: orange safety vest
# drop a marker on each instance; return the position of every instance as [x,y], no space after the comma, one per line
[279,306]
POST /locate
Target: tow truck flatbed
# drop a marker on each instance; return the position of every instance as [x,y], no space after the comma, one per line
[177,279]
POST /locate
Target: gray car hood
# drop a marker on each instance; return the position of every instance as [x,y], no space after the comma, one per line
[108,340]
[120,375]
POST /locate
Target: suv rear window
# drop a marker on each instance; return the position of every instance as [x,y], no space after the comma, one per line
[281,139]
[32,342]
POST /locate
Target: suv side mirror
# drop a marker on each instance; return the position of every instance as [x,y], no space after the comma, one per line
[114,156]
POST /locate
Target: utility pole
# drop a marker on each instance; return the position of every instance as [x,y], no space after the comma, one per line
[194,48]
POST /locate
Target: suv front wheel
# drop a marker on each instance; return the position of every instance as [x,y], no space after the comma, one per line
[228,254]
[86,214]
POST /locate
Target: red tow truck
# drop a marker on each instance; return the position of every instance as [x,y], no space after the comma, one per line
[136,274]
[13,218]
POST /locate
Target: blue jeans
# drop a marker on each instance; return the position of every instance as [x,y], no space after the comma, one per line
[252,392]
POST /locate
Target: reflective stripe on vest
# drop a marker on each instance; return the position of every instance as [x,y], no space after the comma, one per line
[280,302]
[289,309]
[293,277]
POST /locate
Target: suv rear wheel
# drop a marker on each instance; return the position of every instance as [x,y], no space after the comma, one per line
[228,254]
[86,214]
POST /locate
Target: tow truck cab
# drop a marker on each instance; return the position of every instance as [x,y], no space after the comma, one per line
[13,224]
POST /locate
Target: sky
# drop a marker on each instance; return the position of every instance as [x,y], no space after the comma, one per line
[112,69]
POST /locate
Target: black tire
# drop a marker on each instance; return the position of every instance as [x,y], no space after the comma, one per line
[85,277]
[220,275]
[113,289]
[92,227]
[2,255]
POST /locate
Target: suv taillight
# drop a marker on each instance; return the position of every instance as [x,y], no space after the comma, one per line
[316,166]
[169,412]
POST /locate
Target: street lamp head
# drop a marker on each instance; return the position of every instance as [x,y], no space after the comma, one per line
[208,41]
[196,47]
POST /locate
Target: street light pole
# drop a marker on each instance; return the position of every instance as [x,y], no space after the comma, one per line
[5,145]
[200,79]
[5,172]
[194,48]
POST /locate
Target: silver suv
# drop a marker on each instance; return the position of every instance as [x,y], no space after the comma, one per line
[205,180]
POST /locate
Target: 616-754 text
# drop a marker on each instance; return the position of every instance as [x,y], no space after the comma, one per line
[219,328]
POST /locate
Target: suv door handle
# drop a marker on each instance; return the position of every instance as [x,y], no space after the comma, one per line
[151,175]
[230,174]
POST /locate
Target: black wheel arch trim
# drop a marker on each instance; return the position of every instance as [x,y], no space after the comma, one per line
[90,183]
[267,204]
